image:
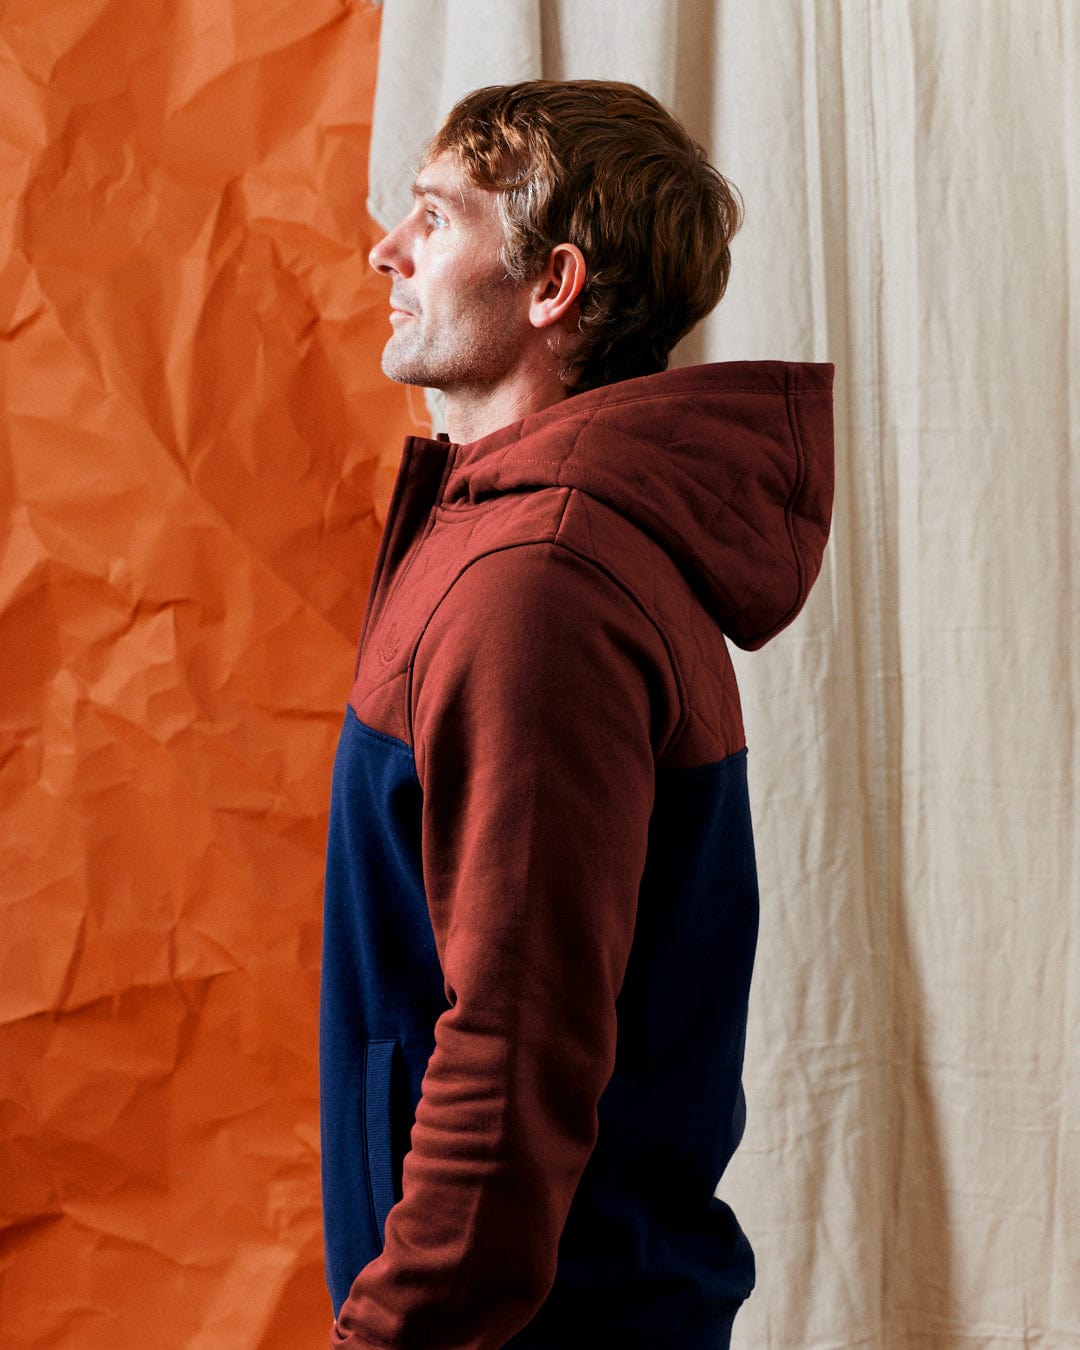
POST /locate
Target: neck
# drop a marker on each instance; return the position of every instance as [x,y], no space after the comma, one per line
[474,413]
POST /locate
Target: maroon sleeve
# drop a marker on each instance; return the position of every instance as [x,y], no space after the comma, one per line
[540,694]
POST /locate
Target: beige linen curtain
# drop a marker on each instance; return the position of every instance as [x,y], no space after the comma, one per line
[911,1170]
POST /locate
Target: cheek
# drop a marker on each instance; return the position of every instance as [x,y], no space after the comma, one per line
[437,274]
[452,266]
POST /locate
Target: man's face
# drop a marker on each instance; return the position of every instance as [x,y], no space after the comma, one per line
[459,321]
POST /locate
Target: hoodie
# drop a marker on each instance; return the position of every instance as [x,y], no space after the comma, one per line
[541,897]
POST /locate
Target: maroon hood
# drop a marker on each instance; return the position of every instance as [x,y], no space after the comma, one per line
[728,467]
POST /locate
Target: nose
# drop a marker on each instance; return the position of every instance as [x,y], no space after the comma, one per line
[390,255]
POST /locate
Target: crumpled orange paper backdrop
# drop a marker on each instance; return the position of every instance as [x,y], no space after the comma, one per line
[197,440]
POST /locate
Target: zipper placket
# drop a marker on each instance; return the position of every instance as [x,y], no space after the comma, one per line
[391,552]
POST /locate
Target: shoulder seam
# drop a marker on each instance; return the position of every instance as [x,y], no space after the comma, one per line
[554,542]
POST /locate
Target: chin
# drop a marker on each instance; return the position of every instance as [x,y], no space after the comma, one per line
[398,370]
[398,367]
[404,374]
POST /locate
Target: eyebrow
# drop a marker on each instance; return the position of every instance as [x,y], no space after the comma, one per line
[420,188]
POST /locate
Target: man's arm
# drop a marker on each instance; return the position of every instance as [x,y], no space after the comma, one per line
[540,693]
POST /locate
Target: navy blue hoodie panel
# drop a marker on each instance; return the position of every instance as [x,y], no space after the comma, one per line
[646,1244]
[382,991]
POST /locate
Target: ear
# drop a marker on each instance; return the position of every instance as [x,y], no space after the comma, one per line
[557,288]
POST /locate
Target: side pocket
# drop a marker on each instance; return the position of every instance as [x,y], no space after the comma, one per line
[378,1129]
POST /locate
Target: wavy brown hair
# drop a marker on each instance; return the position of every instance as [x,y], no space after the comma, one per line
[604,166]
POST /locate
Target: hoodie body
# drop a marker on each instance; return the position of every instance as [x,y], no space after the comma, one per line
[541,899]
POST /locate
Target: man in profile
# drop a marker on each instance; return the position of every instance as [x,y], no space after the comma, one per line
[541,902]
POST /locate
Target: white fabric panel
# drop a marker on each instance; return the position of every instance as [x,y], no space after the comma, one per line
[429,55]
[911,1171]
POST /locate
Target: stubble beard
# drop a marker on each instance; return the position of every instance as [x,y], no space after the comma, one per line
[407,360]
[472,352]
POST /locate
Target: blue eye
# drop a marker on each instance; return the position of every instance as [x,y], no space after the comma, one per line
[437,222]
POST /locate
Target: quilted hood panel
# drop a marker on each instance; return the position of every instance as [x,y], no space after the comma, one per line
[729,467]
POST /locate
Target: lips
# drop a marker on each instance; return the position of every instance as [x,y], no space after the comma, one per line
[399,306]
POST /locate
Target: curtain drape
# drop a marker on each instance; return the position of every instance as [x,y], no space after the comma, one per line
[911,1170]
